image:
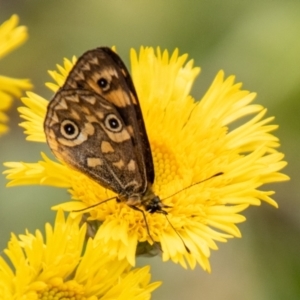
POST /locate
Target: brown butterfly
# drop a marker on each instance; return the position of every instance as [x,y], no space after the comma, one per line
[95,125]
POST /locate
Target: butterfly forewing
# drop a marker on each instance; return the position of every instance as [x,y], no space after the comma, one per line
[94,123]
[88,73]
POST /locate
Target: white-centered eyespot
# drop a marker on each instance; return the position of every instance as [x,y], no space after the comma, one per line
[69,129]
[112,123]
[104,84]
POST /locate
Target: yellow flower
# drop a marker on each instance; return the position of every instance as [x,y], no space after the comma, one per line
[56,268]
[11,36]
[190,141]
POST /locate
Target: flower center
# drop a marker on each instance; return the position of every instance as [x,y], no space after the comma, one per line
[165,165]
[64,291]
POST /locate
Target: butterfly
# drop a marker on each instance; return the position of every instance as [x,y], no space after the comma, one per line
[95,125]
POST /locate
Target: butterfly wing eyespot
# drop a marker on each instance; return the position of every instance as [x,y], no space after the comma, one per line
[112,123]
[69,129]
[104,84]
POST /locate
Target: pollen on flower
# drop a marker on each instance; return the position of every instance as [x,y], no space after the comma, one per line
[67,290]
[165,165]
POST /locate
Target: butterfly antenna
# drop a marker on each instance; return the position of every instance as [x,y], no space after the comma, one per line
[89,207]
[215,175]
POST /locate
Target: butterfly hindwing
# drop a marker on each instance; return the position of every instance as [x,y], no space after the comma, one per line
[102,152]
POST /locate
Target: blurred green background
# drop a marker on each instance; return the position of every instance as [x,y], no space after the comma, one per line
[258,41]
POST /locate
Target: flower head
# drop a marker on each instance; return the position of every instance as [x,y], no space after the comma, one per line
[190,141]
[11,36]
[57,268]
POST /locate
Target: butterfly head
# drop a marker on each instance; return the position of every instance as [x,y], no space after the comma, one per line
[152,203]
[155,206]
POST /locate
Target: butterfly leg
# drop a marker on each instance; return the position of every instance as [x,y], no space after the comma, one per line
[145,219]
